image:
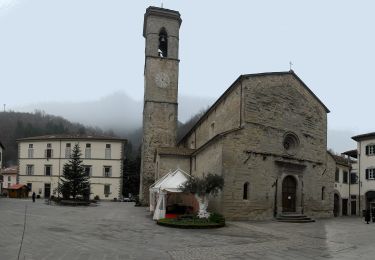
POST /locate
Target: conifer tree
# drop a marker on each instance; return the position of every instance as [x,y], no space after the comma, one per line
[74,182]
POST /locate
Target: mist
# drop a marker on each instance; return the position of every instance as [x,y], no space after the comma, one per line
[117,111]
[123,115]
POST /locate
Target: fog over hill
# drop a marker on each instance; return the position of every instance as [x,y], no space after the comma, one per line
[123,115]
[117,112]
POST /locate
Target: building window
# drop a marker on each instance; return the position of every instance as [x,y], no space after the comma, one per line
[108,151]
[87,170]
[337,175]
[107,189]
[9,184]
[353,178]
[9,178]
[48,170]
[246,190]
[345,177]
[30,151]
[370,149]
[29,186]
[48,152]
[163,43]
[68,150]
[323,193]
[107,171]
[88,151]
[370,174]
[29,169]
[290,143]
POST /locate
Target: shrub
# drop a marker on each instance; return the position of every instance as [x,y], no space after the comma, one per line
[217,218]
[193,223]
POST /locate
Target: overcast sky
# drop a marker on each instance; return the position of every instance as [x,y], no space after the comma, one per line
[69,50]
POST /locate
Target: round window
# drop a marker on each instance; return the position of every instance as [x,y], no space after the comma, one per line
[290,143]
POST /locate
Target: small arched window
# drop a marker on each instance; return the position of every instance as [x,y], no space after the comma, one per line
[163,43]
[246,190]
[323,193]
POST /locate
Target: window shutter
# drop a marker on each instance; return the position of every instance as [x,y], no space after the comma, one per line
[367,148]
[367,174]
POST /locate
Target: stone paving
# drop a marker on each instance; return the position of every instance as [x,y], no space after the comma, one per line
[118,230]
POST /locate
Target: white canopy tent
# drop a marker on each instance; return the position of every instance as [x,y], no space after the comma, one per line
[158,191]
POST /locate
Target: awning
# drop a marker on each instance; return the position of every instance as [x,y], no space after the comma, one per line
[16,186]
[170,182]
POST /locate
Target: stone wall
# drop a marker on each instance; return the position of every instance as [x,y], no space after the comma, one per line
[280,103]
[223,117]
[166,163]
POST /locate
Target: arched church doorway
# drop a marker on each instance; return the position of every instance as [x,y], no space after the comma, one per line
[336,205]
[289,191]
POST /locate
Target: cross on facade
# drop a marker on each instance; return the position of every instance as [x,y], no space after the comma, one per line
[290,65]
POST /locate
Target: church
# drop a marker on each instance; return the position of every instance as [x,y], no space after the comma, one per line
[266,135]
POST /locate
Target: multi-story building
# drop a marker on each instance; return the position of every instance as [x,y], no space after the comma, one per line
[346,197]
[9,177]
[366,169]
[42,158]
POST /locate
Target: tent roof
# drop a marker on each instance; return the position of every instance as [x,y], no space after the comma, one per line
[171,181]
[17,186]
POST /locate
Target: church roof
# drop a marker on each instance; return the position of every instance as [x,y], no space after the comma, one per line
[234,84]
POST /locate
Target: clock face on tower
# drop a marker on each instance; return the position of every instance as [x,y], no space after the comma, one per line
[162,80]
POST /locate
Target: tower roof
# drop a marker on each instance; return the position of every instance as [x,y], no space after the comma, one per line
[162,12]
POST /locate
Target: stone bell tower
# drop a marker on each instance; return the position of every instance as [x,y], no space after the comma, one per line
[161,31]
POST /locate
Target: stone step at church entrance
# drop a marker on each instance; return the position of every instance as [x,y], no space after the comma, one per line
[294,218]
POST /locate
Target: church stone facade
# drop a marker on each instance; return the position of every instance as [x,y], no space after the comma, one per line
[266,135]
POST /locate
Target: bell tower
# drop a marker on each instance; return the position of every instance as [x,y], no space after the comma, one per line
[161,31]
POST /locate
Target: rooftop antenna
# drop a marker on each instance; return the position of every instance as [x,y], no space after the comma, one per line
[290,65]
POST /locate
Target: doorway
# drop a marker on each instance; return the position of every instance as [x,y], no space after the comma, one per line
[353,208]
[47,190]
[344,207]
[289,191]
[336,205]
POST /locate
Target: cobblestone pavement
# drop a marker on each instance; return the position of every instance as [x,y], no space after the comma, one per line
[117,230]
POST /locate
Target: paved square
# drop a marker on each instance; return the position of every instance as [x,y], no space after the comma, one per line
[117,230]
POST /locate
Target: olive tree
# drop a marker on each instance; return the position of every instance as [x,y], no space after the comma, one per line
[202,189]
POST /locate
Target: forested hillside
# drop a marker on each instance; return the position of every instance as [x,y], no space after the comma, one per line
[15,125]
